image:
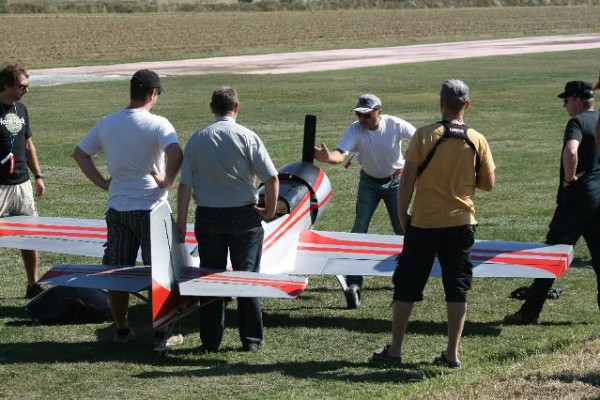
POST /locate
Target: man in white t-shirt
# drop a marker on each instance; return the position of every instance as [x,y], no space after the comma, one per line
[135,143]
[377,139]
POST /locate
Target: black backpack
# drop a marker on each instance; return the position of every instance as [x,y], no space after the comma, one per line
[70,305]
[452,131]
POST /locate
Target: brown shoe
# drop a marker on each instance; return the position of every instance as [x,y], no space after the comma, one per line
[518,319]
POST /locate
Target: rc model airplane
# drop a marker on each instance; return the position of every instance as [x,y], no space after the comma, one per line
[290,248]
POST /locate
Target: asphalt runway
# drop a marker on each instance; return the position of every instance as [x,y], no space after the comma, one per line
[283,63]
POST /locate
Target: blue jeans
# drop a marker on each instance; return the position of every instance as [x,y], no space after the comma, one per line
[236,230]
[370,193]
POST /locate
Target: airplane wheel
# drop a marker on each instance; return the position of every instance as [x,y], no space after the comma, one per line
[353,296]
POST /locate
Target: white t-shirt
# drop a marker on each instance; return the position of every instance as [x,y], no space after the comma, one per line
[134,141]
[380,149]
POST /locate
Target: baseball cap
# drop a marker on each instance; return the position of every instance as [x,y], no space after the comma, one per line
[579,89]
[367,103]
[146,79]
[454,88]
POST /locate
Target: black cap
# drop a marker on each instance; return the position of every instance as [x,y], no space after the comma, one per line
[146,79]
[579,89]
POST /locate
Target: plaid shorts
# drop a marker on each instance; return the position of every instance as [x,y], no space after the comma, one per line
[127,232]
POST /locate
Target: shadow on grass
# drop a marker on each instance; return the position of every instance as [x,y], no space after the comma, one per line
[342,371]
[210,365]
[103,350]
[579,262]
[590,378]
[17,315]
[370,325]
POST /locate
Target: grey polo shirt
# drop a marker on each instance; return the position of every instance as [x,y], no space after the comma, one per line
[221,163]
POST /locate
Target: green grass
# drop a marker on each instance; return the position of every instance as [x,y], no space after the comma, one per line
[315,348]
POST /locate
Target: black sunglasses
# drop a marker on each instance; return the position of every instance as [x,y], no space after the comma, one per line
[363,115]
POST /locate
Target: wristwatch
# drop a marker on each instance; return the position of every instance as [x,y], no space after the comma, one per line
[38,176]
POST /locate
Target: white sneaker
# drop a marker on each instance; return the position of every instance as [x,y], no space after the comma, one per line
[173,340]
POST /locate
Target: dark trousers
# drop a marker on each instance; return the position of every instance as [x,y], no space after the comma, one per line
[236,230]
[568,224]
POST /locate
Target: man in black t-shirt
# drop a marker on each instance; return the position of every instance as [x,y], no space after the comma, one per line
[17,155]
[578,200]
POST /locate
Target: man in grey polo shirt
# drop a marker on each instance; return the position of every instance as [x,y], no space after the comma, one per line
[220,165]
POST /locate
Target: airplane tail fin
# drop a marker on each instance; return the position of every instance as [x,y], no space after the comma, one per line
[177,283]
[169,259]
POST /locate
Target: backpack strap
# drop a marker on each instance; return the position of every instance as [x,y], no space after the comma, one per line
[451,131]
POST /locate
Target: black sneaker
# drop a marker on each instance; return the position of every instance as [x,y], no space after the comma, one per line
[33,290]
[124,337]
[519,319]
[253,346]
[204,350]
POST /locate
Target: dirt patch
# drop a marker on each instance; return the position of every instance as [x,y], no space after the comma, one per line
[281,63]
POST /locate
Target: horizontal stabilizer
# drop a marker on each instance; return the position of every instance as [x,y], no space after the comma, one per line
[127,279]
[338,253]
[206,282]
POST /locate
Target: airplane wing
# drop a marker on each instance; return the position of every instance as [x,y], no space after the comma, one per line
[339,253]
[206,282]
[128,279]
[75,236]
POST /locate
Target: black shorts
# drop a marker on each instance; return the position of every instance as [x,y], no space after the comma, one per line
[452,246]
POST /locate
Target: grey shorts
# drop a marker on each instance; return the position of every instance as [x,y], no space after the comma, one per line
[17,200]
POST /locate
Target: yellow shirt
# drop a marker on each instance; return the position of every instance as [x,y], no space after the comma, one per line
[445,190]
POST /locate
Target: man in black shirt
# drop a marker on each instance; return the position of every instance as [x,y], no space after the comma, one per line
[17,155]
[578,200]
